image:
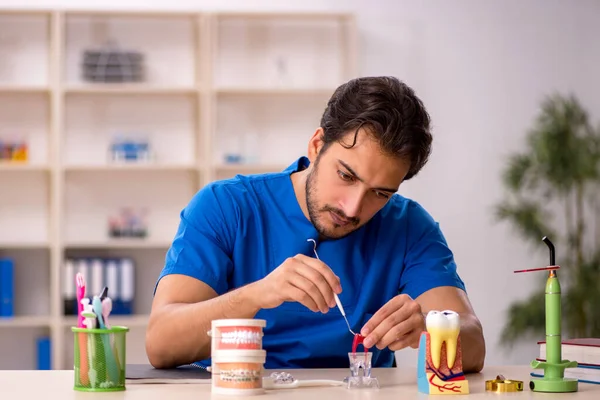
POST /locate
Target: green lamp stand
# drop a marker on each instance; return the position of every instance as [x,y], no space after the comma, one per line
[553,380]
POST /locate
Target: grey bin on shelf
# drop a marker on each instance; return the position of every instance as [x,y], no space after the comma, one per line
[111,66]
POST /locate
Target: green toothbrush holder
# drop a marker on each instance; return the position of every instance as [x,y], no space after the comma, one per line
[99,359]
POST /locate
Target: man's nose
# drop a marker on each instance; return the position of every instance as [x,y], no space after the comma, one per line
[353,204]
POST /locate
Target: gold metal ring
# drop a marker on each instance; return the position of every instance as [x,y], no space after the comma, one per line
[503,385]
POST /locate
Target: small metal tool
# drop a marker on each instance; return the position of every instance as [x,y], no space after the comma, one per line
[337,299]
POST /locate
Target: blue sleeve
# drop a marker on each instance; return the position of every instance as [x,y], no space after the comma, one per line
[429,262]
[203,244]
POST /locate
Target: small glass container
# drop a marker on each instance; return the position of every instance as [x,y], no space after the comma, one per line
[360,371]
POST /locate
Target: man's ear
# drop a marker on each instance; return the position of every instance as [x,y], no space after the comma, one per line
[315,144]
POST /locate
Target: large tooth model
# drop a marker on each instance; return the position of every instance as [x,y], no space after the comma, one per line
[439,366]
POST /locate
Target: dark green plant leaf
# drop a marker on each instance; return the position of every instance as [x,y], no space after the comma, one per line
[582,298]
[517,173]
[524,318]
[562,143]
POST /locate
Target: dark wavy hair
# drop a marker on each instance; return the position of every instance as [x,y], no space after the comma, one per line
[388,110]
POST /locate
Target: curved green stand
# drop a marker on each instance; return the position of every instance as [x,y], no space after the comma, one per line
[554,380]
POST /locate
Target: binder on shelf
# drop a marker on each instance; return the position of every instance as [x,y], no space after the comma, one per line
[118,274]
[111,276]
[44,353]
[96,282]
[69,291]
[6,288]
[127,288]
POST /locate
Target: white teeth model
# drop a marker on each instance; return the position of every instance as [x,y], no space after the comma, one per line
[443,326]
[240,337]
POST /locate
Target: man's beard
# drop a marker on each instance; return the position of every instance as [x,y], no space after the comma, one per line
[314,210]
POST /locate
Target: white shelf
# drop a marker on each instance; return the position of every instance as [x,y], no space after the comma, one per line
[24,49]
[249,84]
[91,199]
[169,45]
[129,89]
[133,321]
[291,51]
[225,171]
[24,208]
[19,89]
[150,167]
[275,91]
[119,244]
[25,322]
[265,123]
[24,244]
[22,167]
[18,345]
[31,284]
[167,122]
[24,117]
[251,168]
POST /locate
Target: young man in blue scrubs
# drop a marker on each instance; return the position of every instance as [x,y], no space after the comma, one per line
[242,249]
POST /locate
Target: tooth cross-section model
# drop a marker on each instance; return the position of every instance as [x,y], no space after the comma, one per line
[439,366]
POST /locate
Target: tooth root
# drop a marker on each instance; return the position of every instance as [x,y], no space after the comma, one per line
[435,346]
[452,336]
[451,351]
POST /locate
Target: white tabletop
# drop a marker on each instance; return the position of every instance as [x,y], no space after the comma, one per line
[395,383]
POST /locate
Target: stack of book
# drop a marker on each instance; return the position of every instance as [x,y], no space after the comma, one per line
[586,351]
[7,271]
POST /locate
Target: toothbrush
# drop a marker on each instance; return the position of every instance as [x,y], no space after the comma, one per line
[111,364]
[81,337]
[271,384]
[104,293]
[80,283]
[89,318]
[335,296]
[106,309]
[90,323]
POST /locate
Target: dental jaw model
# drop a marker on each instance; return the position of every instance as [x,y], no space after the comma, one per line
[439,365]
[237,356]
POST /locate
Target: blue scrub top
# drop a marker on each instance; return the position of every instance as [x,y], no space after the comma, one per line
[238,230]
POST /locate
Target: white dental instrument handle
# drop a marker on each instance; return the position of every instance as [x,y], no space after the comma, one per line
[339,304]
[335,296]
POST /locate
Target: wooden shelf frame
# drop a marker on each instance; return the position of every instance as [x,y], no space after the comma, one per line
[207,98]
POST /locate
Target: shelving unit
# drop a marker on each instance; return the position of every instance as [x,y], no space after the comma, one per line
[215,87]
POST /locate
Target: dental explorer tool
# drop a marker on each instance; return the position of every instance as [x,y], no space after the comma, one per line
[337,299]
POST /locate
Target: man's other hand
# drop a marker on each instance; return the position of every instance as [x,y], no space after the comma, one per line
[398,324]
